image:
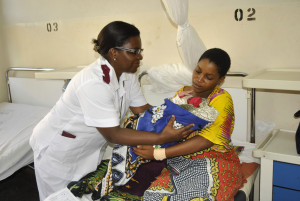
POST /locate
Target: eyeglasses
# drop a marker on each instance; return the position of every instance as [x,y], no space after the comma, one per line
[133,51]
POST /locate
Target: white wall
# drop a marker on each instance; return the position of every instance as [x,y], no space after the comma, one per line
[3,64]
[270,41]
[78,22]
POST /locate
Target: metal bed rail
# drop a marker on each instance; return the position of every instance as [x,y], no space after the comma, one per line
[20,69]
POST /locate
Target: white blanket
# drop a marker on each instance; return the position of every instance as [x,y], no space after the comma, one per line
[16,124]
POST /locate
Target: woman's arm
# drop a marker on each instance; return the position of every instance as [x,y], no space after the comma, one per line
[126,136]
[141,109]
[197,143]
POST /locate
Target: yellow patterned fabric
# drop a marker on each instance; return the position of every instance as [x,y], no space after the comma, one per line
[220,131]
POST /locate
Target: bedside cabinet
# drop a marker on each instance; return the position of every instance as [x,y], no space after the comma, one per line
[286,181]
[280,167]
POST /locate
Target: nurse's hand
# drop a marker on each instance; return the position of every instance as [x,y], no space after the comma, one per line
[170,134]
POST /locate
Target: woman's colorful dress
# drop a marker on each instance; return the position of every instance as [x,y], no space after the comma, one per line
[211,174]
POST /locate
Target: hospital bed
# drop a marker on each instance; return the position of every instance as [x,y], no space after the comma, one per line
[240,136]
[29,101]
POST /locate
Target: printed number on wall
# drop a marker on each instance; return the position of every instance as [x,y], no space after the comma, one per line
[52,26]
[239,14]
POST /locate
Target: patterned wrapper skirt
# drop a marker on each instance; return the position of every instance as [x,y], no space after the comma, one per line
[205,175]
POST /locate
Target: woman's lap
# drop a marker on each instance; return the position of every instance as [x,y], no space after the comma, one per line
[208,178]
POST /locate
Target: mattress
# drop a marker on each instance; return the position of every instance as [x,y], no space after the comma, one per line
[16,124]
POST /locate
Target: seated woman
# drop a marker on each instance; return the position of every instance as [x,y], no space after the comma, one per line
[204,166]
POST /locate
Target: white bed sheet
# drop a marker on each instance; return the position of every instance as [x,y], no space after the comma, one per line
[16,124]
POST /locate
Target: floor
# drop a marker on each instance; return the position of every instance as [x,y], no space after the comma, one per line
[21,186]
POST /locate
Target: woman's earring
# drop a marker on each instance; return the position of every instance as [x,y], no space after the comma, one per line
[115,59]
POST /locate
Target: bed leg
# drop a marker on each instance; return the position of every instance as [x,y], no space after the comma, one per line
[256,187]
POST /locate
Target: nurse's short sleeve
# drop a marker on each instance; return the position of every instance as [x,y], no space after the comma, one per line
[97,103]
[136,96]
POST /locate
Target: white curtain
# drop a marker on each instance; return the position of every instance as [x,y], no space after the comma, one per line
[189,44]
[170,77]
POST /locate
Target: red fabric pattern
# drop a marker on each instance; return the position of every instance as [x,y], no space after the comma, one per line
[163,181]
[195,101]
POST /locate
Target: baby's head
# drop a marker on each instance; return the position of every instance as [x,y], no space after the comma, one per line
[219,57]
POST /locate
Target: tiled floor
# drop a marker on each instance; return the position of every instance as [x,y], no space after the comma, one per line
[21,186]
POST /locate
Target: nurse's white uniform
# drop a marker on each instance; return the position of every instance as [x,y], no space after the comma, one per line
[87,103]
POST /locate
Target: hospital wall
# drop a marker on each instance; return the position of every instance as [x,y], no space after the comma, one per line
[257,34]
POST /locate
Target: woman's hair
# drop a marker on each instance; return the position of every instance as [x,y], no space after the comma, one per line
[220,58]
[112,35]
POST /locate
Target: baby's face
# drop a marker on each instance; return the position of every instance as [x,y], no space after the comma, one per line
[205,78]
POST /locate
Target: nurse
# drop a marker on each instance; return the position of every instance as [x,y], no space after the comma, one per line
[69,141]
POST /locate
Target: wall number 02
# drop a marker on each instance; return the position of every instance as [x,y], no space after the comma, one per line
[52,26]
[239,14]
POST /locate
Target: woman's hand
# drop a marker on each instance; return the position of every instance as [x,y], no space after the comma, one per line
[145,151]
[170,134]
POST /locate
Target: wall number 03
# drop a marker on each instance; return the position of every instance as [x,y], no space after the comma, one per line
[239,14]
[52,26]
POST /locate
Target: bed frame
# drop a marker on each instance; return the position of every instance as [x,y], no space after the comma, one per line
[24,88]
[27,104]
[20,69]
